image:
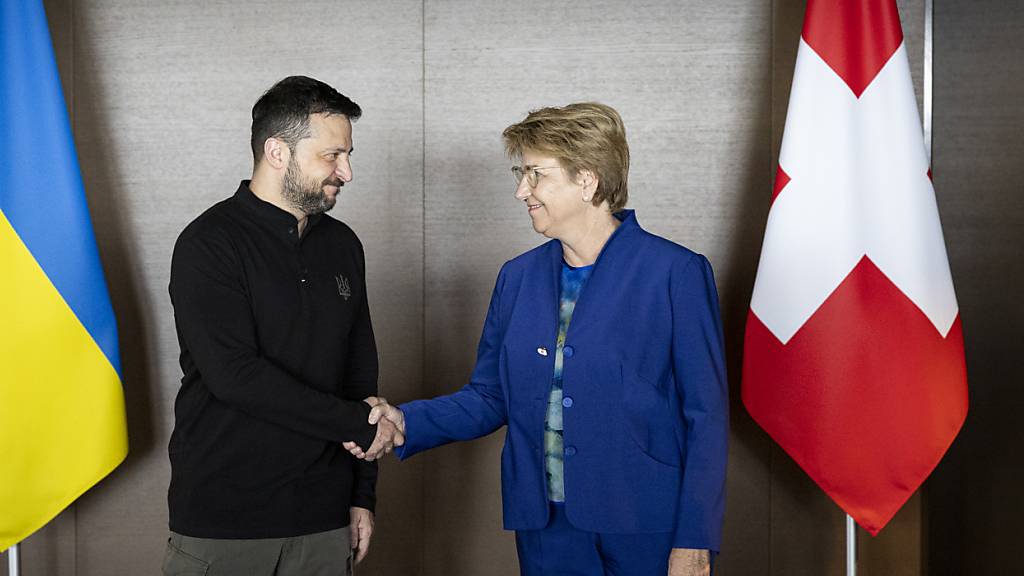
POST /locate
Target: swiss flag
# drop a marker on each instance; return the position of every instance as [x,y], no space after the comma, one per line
[853,358]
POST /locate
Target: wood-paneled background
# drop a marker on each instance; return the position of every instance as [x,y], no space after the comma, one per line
[160,94]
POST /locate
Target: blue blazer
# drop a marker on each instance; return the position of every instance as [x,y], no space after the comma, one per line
[647,430]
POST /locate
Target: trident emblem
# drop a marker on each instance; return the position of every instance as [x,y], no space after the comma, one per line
[343,287]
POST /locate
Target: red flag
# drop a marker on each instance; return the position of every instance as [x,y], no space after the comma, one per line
[853,358]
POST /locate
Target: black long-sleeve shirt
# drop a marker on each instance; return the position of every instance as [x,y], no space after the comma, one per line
[277,352]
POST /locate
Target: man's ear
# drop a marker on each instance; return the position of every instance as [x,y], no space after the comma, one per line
[276,153]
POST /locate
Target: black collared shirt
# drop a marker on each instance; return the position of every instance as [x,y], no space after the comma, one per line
[277,352]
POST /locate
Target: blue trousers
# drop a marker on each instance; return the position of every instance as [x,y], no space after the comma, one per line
[563,550]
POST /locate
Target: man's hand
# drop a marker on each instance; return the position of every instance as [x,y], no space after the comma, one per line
[689,562]
[384,410]
[390,430]
[361,530]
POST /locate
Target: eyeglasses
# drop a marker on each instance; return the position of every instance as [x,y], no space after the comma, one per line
[532,174]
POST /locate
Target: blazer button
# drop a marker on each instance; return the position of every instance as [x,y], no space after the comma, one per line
[568,351]
[567,401]
[570,450]
[542,351]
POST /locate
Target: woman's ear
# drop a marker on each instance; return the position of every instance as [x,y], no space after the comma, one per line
[588,182]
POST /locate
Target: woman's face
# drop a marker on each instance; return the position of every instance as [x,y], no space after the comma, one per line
[555,204]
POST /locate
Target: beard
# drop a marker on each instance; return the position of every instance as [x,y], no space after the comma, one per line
[306,194]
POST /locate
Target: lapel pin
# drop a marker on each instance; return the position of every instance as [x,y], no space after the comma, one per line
[542,351]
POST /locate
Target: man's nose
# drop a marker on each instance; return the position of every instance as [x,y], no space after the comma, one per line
[343,169]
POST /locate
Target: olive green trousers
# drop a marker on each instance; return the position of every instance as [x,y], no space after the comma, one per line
[321,554]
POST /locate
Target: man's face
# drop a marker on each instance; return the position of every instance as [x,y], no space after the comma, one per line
[319,166]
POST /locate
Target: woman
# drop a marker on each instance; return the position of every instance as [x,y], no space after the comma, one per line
[602,352]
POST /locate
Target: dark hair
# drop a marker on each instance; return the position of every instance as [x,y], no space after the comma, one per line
[283,111]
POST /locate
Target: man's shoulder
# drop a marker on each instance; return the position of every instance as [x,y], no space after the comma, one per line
[339,231]
[336,226]
[210,232]
[215,220]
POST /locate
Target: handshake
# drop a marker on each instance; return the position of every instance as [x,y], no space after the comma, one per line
[390,430]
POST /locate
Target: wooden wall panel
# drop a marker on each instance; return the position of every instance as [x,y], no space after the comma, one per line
[975,503]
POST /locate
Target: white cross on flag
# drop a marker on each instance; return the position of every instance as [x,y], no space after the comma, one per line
[853,357]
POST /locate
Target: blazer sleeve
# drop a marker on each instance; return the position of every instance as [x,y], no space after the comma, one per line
[698,359]
[475,410]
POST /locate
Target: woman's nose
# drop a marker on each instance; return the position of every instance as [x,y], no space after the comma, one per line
[523,190]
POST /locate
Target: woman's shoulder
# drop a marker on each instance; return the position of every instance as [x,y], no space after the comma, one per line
[665,250]
[531,258]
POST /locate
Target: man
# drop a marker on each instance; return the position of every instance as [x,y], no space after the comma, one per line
[278,355]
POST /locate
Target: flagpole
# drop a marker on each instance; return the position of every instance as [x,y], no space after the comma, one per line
[929,10]
[13,561]
[926,121]
[851,546]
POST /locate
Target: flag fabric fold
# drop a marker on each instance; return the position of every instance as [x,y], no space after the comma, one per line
[62,416]
[853,352]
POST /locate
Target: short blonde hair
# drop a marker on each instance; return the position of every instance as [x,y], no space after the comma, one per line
[581,136]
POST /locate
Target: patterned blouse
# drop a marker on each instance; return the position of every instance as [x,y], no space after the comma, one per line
[573,280]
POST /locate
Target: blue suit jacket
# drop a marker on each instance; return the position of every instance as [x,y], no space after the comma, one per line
[647,429]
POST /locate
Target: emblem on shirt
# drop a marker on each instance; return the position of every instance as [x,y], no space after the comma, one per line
[343,288]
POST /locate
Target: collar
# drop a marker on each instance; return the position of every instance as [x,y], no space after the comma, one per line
[280,222]
[628,227]
[628,219]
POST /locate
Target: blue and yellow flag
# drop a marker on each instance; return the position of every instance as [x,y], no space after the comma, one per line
[62,417]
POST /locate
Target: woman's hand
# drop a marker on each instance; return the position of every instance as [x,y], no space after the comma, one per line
[689,562]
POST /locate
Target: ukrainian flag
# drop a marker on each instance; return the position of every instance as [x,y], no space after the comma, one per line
[62,418]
